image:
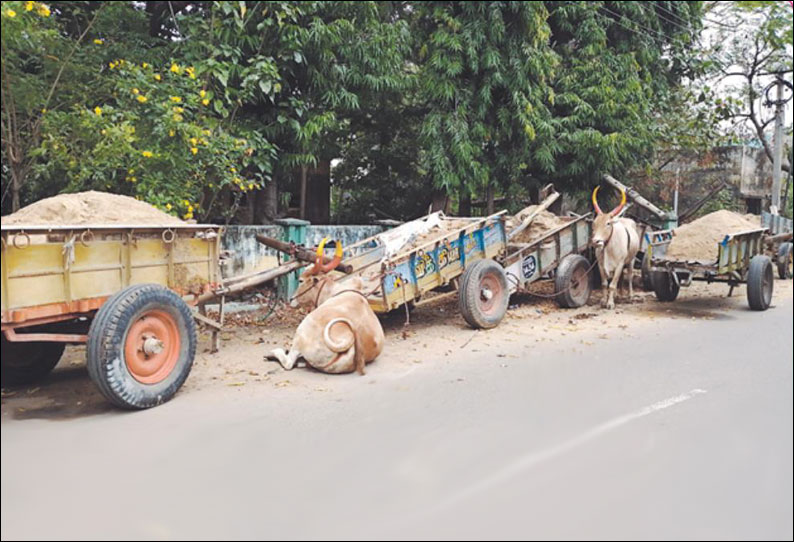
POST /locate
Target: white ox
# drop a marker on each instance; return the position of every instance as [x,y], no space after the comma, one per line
[342,334]
[616,242]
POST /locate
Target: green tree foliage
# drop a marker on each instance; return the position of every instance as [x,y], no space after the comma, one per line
[473,99]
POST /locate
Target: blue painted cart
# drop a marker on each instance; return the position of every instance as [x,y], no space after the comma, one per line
[461,255]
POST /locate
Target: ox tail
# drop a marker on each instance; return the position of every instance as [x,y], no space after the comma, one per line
[340,346]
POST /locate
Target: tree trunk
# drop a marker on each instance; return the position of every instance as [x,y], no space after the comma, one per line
[489,196]
[14,190]
[439,201]
[464,204]
[270,203]
[304,176]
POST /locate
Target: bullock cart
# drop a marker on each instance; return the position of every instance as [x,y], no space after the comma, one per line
[438,252]
[131,293]
[559,253]
[740,259]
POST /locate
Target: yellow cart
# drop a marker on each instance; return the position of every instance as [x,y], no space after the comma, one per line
[124,290]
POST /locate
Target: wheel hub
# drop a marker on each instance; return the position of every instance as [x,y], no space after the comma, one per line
[151,348]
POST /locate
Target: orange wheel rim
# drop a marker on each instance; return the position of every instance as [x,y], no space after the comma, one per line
[152,346]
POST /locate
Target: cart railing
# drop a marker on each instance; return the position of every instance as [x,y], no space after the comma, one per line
[737,249]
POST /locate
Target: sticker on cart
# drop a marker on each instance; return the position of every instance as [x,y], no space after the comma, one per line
[528,267]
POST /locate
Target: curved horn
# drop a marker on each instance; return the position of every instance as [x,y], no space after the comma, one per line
[619,208]
[330,266]
[318,259]
[595,201]
[340,346]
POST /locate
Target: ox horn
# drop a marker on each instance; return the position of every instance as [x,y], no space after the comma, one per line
[619,208]
[595,201]
[319,266]
[342,346]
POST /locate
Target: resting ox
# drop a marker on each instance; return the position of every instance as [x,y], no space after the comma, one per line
[342,334]
[616,243]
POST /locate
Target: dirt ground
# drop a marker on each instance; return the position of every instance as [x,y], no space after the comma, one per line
[436,334]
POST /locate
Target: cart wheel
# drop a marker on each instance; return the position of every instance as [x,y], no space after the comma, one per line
[785,269]
[760,281]
[645,273]
[141,346]
[483,295]
[23,363]
[664,286]
[571,284]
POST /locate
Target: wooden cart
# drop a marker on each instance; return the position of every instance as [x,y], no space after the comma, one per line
[740,259]
[123,290]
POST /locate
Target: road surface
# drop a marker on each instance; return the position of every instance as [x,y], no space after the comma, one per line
[675,422]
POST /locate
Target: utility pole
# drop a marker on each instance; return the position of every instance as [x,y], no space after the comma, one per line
[777,163]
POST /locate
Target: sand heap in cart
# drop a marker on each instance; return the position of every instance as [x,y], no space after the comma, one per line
[84,208]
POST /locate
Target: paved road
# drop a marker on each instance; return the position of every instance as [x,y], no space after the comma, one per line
[681,429]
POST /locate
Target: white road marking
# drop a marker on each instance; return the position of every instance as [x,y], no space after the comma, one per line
[533,459]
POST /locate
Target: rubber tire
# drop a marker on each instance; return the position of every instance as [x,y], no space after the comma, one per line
[468,297]
[784,257]
[645,273]
[760,272]
[23,363]
[105,349]
[562,281]
[664,286]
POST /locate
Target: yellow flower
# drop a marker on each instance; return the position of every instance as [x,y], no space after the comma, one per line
[194,150]
[144,65]
[202,93]
[250,186]
[189,208]
[206,132]
[191,71]
[28,6]
[111,65]
[10,13]
[44,11]
[188,216]
[133,179]
[179,110]
[174,68]
[157,77]
[147,154]
[205,101]
[233,169]
[171,133]
[99,41]
[98,111]
[167,206]
[135,91]
[178,118]
[43,111]
[142,99]
[176,99]
[193,141]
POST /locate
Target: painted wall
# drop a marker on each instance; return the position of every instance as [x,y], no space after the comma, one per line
[250,256]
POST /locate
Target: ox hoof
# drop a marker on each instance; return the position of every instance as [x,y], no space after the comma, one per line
[610,305]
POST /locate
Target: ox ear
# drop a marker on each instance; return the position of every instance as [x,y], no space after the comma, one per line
[357,283]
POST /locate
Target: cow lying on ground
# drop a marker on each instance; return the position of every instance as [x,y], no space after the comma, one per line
[342,334]
[616,242]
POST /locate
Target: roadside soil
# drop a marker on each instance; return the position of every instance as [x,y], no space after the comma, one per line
[436,335]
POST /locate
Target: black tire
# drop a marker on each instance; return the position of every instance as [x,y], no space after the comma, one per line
[571,283]
[785,263]
[484,294]
[664,286]
[24,363]
[645,273]
[760,283]
[121,379]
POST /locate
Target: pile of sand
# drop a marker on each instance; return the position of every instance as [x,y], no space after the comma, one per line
[697,241]
[85,208]
[543,223]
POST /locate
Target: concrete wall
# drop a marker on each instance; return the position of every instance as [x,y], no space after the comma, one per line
[250,256]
